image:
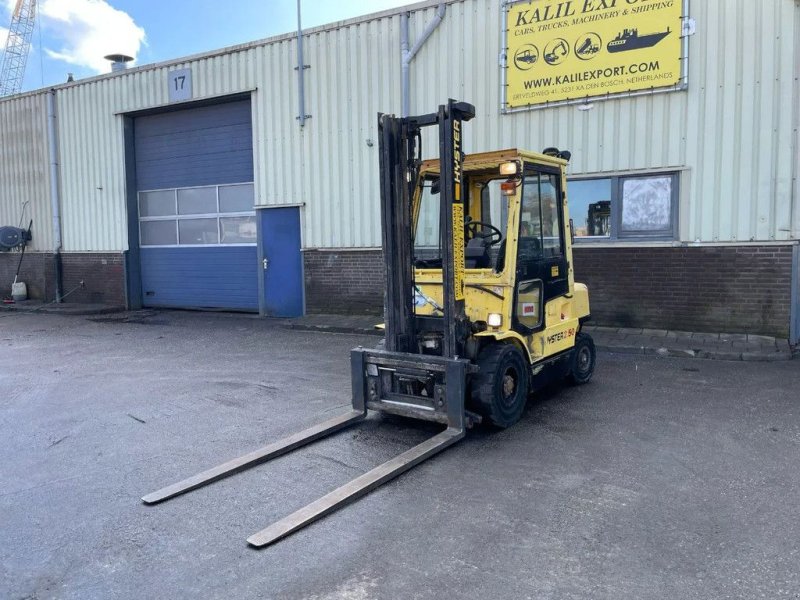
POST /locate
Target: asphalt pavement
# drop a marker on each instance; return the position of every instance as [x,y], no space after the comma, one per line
[663,478]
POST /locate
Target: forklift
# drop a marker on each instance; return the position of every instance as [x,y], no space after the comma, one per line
[481,303]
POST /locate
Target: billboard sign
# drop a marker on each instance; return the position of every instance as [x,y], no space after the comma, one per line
[565,51]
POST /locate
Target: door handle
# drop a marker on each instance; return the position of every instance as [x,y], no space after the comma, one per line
[266,263]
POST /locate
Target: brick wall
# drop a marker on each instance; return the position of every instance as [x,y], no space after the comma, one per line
[721,289]
[103,276]
[349,282]
[36,270]
[742,289]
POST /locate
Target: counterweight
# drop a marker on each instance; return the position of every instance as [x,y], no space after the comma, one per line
[12,70]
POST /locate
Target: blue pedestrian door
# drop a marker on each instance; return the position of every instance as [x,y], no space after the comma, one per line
[282,261]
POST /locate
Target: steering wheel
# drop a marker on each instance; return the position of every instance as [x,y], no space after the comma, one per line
[487,232]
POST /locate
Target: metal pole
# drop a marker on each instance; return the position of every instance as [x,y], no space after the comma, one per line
[404,65]
[301,91]
[794,307]
[408,55]
[55,195]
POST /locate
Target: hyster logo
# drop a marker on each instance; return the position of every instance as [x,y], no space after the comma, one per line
[457,160]
[560,336]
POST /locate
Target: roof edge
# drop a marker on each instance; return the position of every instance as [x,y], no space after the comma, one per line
[415,7]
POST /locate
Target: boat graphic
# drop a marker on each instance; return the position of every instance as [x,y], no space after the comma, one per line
[630,39]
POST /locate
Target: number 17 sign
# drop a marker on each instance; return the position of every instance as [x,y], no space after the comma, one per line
[179,83]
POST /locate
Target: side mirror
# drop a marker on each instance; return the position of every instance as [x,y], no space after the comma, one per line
[436,186]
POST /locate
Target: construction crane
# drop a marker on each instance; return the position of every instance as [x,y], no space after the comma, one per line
[12,70]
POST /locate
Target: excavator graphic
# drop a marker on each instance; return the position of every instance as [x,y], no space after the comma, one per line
[557,53]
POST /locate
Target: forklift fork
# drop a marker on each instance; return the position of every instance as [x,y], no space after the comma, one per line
[371,372]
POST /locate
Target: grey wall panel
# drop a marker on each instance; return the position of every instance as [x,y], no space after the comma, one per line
[24,167]
[199,146]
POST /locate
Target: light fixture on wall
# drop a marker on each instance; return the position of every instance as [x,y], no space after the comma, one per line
[586,106]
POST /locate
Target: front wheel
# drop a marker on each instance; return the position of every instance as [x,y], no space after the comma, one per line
[500,388]
[583,359]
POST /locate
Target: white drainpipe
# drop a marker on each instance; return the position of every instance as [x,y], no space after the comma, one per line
[408,55]
[55,193]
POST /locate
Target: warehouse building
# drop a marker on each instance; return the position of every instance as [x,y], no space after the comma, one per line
[215,181]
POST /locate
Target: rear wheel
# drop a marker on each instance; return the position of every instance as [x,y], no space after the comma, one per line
[500,388]
[583,359]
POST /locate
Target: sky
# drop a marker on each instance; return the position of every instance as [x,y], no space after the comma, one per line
[73,36]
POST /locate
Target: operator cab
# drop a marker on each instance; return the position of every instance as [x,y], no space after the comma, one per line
[514,233]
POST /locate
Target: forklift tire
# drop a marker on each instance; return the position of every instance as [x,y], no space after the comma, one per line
[500,388]
[583,358]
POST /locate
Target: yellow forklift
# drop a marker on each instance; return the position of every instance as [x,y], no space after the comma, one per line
[481,302]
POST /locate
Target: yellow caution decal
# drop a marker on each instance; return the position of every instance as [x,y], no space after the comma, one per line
[458,250]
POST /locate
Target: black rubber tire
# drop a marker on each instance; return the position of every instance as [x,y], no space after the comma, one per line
[581,366]
[500,399]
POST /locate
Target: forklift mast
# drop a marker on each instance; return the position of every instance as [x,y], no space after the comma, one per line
[400,146]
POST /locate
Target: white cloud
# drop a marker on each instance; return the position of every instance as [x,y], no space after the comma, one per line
[87,30]
[3,36]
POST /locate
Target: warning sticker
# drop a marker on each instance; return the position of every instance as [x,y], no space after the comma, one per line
[458,250]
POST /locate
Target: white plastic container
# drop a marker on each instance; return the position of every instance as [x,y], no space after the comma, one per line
[19,291]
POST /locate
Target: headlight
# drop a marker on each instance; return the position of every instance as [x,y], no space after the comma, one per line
[495,320]
[509,168]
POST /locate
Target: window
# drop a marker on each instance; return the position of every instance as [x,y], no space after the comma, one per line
[215,215]
[642,206]
[590,207]
[426,237]
[540,222]
[494,206]
[485,222]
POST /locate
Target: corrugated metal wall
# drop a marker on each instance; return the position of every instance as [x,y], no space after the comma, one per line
[733,131]
[93,177]
[24,167]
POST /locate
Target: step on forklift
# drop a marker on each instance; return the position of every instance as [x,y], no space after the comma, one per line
[481,304]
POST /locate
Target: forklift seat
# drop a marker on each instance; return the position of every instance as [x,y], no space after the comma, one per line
[476,255]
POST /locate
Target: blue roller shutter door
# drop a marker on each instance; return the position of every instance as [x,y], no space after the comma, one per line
[194,174]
